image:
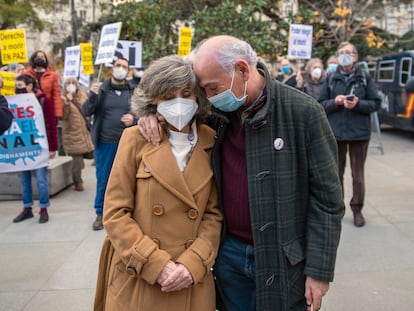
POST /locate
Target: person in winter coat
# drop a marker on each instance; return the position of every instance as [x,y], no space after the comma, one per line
[47,79]
[27,84]
[275,165]
[349,96]
[6,117]
[315,77]
[76,136]
[161,207]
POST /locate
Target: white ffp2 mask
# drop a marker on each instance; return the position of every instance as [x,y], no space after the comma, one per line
[178,111]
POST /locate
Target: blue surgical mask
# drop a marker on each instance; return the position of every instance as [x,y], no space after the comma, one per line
[286,69]
[226,101]
[332,67]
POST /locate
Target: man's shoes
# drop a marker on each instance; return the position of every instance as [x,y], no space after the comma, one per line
[79,187]
[25,214]
[97,224]
[359,220]
[44,217]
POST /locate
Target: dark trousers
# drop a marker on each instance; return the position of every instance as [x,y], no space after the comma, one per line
[357,155]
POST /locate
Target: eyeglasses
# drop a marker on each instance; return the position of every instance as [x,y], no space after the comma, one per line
[346,52]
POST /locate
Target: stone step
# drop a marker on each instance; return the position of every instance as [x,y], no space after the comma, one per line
[59,176]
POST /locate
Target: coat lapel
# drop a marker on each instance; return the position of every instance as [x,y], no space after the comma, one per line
[162,165]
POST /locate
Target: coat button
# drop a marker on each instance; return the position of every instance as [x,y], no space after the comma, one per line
[132,271]
[158,210]
[192,214]
[188,243]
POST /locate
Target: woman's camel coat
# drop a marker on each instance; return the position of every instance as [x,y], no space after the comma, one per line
[153,213]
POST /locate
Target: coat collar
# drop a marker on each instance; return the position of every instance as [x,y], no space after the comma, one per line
[160,162]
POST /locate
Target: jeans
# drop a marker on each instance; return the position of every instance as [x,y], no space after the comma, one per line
[42,187]
[104,158]
[235,275]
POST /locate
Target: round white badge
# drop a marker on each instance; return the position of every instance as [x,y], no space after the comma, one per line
[278,143]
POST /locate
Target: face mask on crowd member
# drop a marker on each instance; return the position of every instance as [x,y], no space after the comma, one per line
[345,59]
[332,67]
[40,62]
[71,88]
[286,69]
[138,74]
[316,73]
[120,70]
[227,101]
[178,111]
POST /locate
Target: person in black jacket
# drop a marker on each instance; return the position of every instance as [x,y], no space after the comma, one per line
[6,117]
[349,96]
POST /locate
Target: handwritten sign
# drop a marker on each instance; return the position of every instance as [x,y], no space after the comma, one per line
[24,145]
[86,57]
[72,62]
[300,41]
[107,43]
[9,83]
[13,46]
[184,41]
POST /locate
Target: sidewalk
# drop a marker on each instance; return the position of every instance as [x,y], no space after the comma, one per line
[53,266]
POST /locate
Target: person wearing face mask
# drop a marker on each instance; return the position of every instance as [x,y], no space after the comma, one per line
[315,77]
[332,64]
[76,135]
[288,75]
[6,117]
[275,165]
[109,106]
[137,74]
[349,96]
[161,212]
[27,84]
[47,79]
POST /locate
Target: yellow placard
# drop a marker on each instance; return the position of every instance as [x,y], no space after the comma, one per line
[184,43]
[86,57]
[13,46]
[9,83]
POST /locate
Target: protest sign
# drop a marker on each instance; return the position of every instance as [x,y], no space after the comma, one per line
[86,58]
[107,43]
[9,84]
[72,62]
[24,145]
[300,41]
[13,46]
[184,41]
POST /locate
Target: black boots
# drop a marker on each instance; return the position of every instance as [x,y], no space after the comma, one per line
[25,214]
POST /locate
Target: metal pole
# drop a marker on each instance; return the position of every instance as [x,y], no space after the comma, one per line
[74,23]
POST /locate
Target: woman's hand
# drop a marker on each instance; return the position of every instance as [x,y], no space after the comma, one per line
[178,279]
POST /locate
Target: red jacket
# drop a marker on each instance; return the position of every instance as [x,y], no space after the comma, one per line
[50,120]
[49,84]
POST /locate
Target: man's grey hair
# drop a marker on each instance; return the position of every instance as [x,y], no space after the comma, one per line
[228,53]
[163,78]
[345,43]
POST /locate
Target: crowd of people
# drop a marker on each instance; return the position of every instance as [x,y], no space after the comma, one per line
[220,187]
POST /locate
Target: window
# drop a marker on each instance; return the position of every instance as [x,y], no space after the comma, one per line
[386,71]
[405,70]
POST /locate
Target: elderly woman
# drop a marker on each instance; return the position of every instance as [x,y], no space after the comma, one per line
[315,77]
[161,209]
[77,141]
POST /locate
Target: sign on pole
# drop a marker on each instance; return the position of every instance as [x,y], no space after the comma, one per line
[184,41]
[131,50]
[86,57]
[9,83]
[24,145]
[72,62]
[13,46]
[300,41]
[107,43]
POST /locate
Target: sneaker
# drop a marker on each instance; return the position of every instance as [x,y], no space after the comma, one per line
[44,217]
[97,224]
[79,187]
[25,214]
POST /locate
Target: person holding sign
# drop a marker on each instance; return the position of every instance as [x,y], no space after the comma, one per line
[161,207]
[276,170]
[288,75]
[27,84]
[109,104]
[47,79]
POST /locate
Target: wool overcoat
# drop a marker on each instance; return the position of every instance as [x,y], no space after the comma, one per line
[295,195]
[75,134]
[153,213]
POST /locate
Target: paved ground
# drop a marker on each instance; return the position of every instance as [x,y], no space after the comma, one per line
[53,266]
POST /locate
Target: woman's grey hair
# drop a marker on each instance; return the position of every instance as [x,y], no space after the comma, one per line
[228,53]
[312,62]
[162,78]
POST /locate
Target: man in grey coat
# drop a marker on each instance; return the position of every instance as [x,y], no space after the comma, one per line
[275,163]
